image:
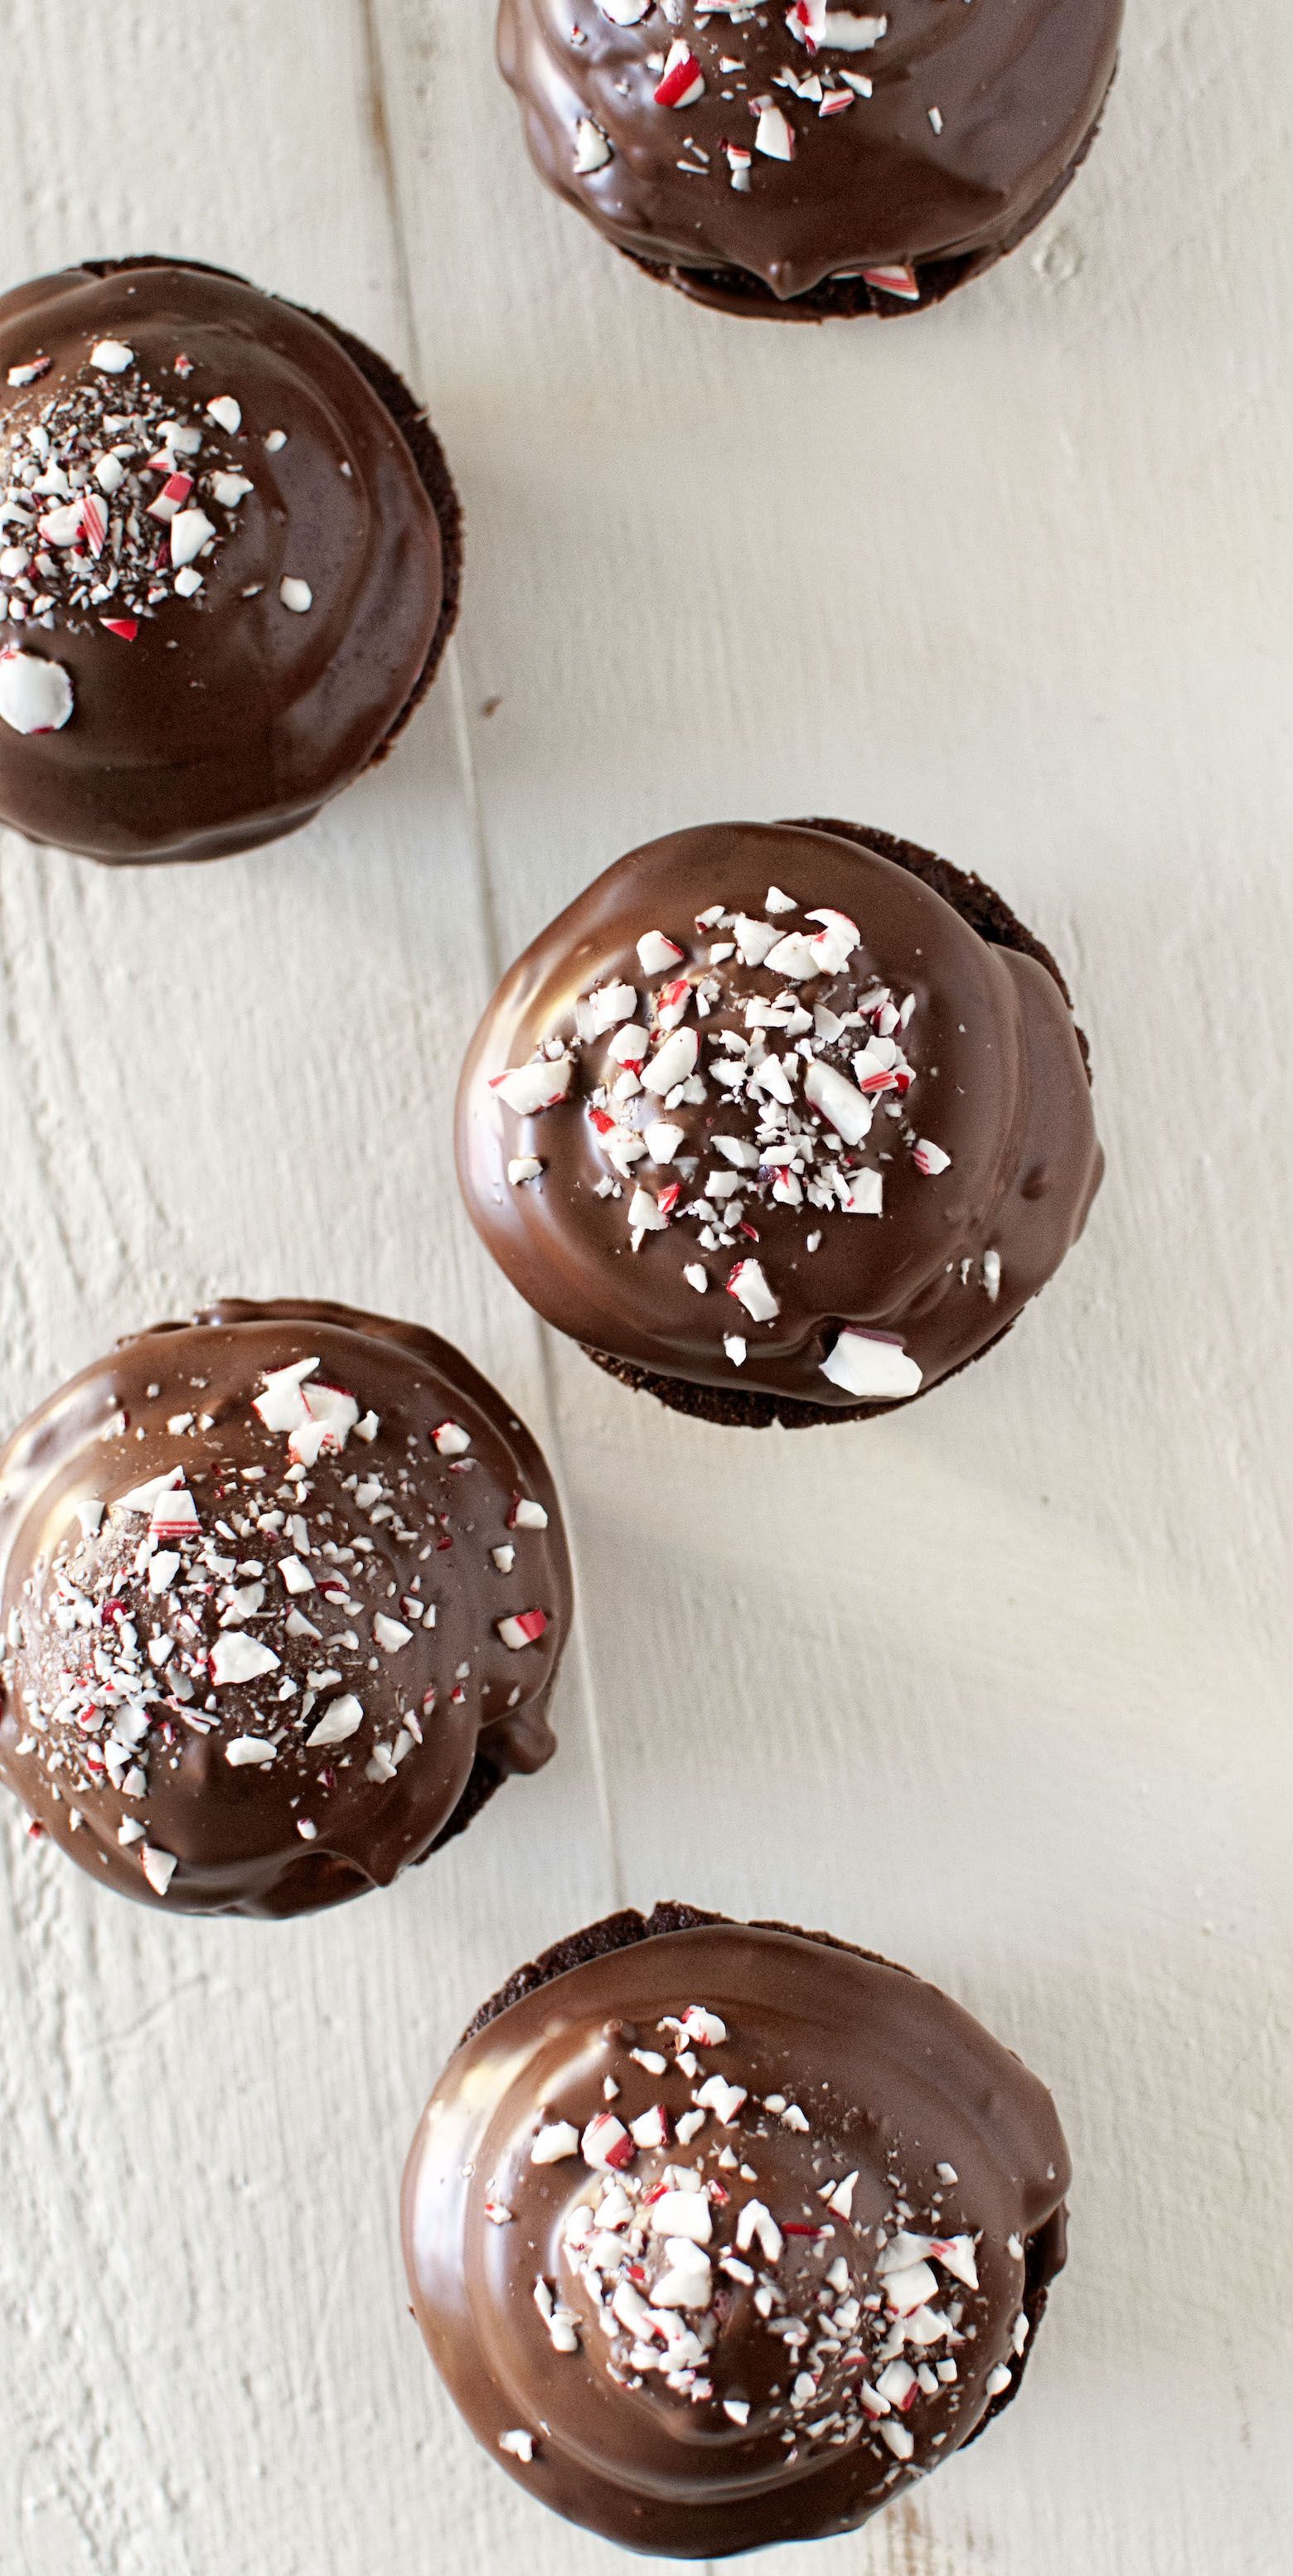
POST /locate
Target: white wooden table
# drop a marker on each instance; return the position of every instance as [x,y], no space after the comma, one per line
[1000,1687]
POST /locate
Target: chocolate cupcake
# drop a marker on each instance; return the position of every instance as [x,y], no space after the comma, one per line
[780,1121]
[229,561]
[283,1593]
[802,162]
[721,2234]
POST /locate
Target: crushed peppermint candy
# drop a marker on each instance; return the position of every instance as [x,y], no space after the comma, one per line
[115,496]
[690,2228]
[737,1104]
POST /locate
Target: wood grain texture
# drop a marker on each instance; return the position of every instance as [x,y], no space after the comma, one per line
[1001,1687]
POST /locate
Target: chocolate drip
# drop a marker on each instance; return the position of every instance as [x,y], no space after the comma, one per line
[974,123]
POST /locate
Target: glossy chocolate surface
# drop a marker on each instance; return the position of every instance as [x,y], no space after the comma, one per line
[225,718]
[159,1538]
[986,1070]
[868,2210]
[975,118]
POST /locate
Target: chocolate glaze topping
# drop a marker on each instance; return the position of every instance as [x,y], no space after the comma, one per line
[803,160]
[721,2234]
[283,1593]
[832,1176]
[229,561]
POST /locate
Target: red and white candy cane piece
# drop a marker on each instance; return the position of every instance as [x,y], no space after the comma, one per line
[126,627]
[35,695]
[171,498]
[901,282]
[528,1088]
[657,953]
[606,2144]
[94,523]
[703,2028]
[740,163]
[682,82]
[930,1159]
[748,1284]
[29,371]
[524,1628]
[652,2129]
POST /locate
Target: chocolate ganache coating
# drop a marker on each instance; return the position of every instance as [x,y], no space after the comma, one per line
[721,2234]
[797,162]
[283,1593]
[230,558]
[773,1116]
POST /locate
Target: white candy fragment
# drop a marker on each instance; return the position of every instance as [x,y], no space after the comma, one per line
[753,939]
[814,25]
[658,953]
[159,1868]
[696,1276]
[899,2438]
[450,1439]
[281,1405]
[391,1634]
[296,595]
[230,489]
[249,1752]
[757,2220]
[645,1214]
[997,2381]
[527,1088]
[112,357]
[675,1060]
[341,1719]
[870,1364]
[553,2144]
[793,958]
[865,1194]
[625,13]
[841,2201]
[748,1284]
[683,2214]
[651,2130]
[592,151]
[774,135]
[520,2445]
[236,1657]
[842,1105]
[896,2382]
[689,2281]
[523,1167]
[190,530]
[928,1158]
[35,695]
[603,1010]
[663,1140]
[956,2255]
[735,1348]
[90,1516]
[333,1414]
[527,1515]
[910,2289]
[227,412]
[835,941]
[297,1578]
[276,439]
[992,1275]
[725,2099]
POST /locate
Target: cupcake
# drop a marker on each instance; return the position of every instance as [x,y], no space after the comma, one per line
[780,1121]
[229,561]
[800,162]
[722,2234]
[283,1593]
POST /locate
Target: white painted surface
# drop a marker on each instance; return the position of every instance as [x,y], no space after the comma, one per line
[1000,1687]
